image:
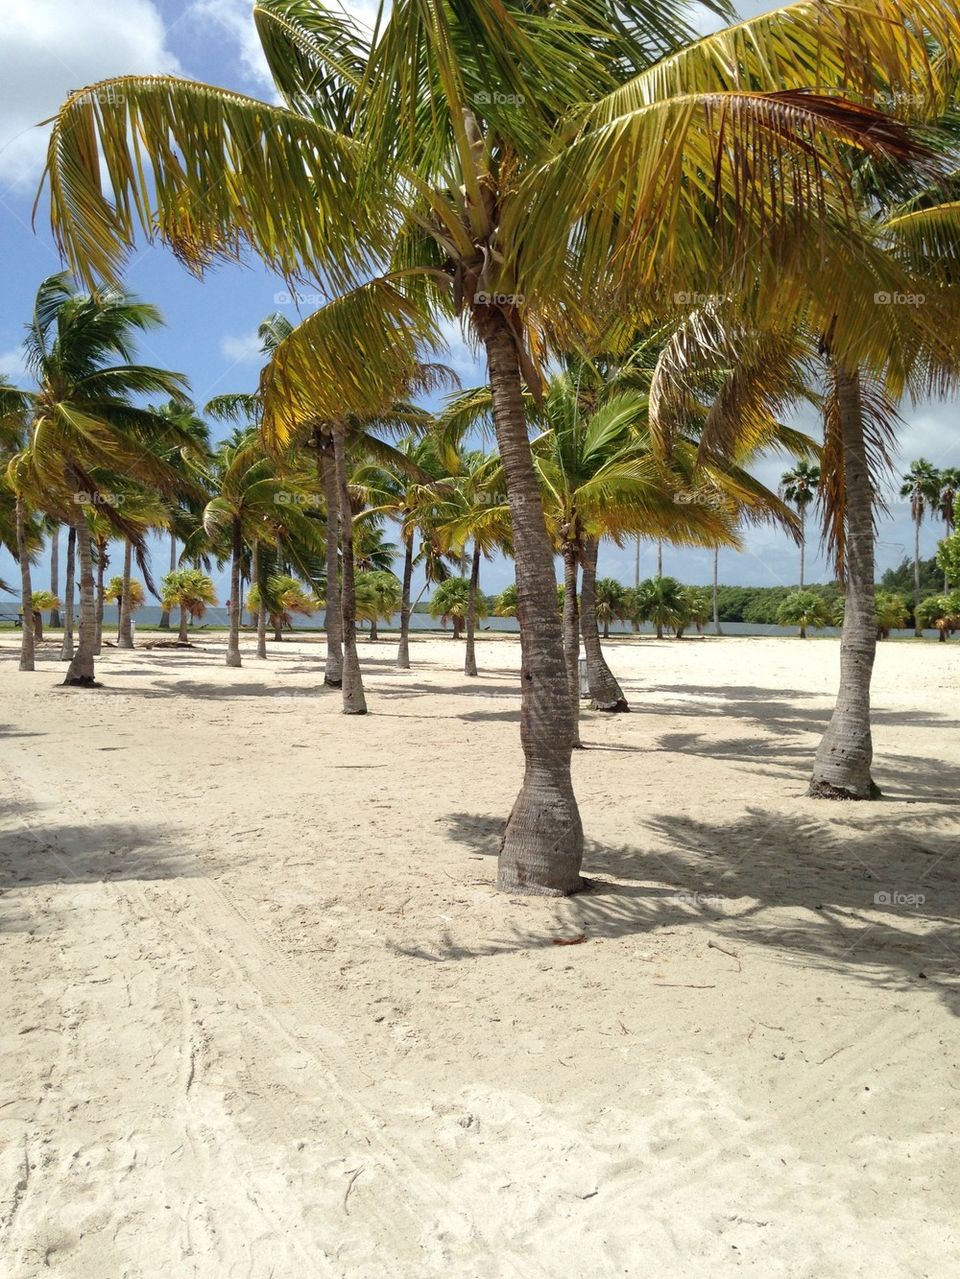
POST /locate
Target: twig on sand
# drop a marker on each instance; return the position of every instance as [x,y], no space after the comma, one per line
[354,1174]
[833,1054]
[716,946]
[569,941]
[687,985]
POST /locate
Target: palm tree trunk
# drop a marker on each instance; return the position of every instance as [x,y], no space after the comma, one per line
[101,571]
[403,652]
[66,648]
[606,628]
[81,673]
[124,632]
[354,700]
[165,613]
[842,766]
[333,670]
[803,542]
[660,560]
[605,693]
[716,579]
[470,657]
[571,633]
[55,574]
[182,637]
[916,573]
[457,626]
[374,630]
[262,605]
[28,634]
[542,846]
[236,590]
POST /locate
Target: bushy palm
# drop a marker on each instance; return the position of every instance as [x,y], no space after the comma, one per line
[191,591]
[379,595]
[663,602]
[941,612]
[922,486]
[450,602]
[892,612]
[282,597]
[806,610]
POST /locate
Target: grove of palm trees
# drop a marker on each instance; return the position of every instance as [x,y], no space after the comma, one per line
[479,748]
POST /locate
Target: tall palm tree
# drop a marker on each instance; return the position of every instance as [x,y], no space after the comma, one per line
[526,210]
[921,485]
[798,486]
[80,351]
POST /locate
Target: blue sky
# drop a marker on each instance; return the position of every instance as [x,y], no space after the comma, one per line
[53,46]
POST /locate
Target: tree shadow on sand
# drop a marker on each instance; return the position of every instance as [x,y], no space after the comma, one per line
[875,898]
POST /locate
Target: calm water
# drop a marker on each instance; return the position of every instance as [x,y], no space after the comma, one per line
[218,618]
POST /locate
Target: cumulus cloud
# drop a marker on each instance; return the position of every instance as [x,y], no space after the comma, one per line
[12,365]
[244,349]
[50,48]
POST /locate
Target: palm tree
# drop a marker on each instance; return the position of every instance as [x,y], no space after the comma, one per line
[189,426]
[891,612]
[949,493]
[379,595]
[282,597]
[191,591]
[128,595]
[804,609]
[52,528]
[41,600]
[610,603]
[661,600]
[451,603]
[525,211]
[80,350]
[798,486]
[941,612]
[922,484]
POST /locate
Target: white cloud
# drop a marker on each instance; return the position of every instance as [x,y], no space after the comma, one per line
[234,19]
[466,361]
[242,350]
[50,48]
[12,366]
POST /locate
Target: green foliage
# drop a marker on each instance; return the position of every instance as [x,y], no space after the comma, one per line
[759,605]
[450,601]
[378,596]
[948,558]
[940,612]
[900,579]
[190,589]
[892,613]
[113,593]
[43,601]
[805,609]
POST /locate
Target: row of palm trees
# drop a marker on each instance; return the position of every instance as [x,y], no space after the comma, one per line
[732,208]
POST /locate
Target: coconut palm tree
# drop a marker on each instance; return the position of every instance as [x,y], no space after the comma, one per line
[798,486]
[451,603]
[41,600]
[186,456]
[282,597]
[525,167]
[949,493]
[610,603]
[80,350]
[661,600]
[922,485]
[191,591]
[804,609]
[379,594]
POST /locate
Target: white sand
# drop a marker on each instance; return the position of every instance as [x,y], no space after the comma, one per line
[264,1014]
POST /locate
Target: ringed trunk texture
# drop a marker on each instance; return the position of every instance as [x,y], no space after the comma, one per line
[374,630]
[182,637]
[332,624]
[66,648]
[38,625]
[803,543]
[55,575]
[124,632]
[457,627]
[28,635]
[354,700]
[101,570]
[403,652]
[605,692]
[842,766]
[233,643]
[80,673]
[262,609]
[571,633]
[165,614]
[918,632]
[542,846]
[470,657]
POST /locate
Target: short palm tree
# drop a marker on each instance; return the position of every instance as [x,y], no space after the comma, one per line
[804,609]
[379,595]
[892,613]
[583,177]
[662,602]
[610,603]
[191,591]
[41,601]
[450,602]
[282,597]
[941,612]
[922,486]
[128,595]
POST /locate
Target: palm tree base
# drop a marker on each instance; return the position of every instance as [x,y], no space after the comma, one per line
[819,789]
[360,710]
[329,682]
[619,707]
[81,681]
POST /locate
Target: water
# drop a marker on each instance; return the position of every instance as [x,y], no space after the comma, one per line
[219,619]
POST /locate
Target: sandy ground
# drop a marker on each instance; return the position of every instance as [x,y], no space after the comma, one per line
[264,1014]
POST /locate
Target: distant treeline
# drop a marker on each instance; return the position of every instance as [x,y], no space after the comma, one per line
[760,604]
